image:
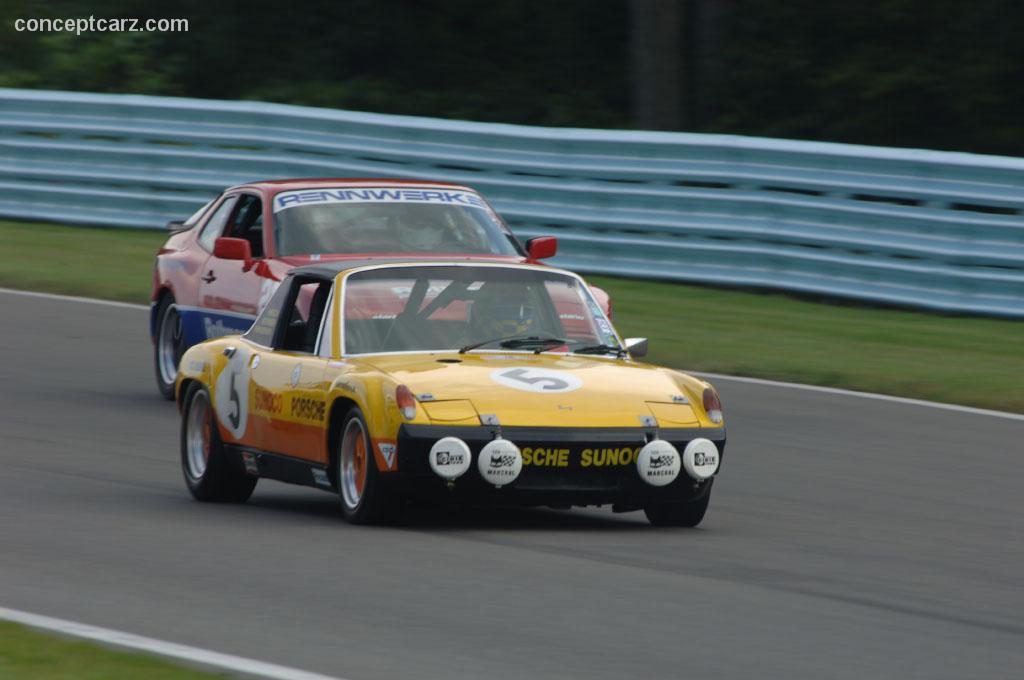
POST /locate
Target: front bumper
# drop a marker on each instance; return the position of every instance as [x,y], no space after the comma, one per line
[561,466]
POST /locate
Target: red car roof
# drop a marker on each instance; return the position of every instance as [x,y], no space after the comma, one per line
[276,185]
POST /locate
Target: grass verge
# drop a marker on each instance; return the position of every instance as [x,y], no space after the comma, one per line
[955,359]
[28,655]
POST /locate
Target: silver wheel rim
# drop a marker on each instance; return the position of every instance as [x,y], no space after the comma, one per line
[168,340]
[349,471]
[197,435]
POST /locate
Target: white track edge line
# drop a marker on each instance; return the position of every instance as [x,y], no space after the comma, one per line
[716,376]
[864,395]
[72,298]
[172,650]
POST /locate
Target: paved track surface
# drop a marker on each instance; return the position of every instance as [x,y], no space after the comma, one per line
[847,538]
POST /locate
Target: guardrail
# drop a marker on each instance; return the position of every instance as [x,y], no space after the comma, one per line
[932,229]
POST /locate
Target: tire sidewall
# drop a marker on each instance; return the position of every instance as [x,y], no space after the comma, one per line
[361,512]
[166,389]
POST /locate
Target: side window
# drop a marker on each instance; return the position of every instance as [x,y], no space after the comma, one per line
[247,222]
[262,331]
[308,303]
[215,225]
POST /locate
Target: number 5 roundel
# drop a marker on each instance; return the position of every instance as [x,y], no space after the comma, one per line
[231,394]
[542,380]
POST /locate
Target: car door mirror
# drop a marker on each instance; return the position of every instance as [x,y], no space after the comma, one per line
[637,347]
[542,247]
[227,248]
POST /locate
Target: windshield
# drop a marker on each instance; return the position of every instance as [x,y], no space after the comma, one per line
[446,307]
[387,220]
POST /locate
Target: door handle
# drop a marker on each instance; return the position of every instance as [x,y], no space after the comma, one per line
[210,277]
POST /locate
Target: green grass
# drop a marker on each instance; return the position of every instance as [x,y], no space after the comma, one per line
[116,264]
[956,359]
[28,655]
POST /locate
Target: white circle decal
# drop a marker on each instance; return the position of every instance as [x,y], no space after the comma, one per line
[500,462]
[701,459]
[231,393]
[449,458]
[658,462]
[531,379]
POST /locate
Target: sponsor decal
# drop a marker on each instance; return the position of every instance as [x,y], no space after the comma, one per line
[320,477]
[450,458]
[545,457]
[531,379]
[231,393]
[292,199]
[251,466]
[661,461]
[215,328]
[503,461]
[304,408]
[387,451]
[265,401]
[609,456]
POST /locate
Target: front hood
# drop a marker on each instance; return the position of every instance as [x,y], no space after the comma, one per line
[546,390]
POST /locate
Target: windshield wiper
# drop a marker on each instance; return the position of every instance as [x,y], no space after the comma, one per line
[601,349]
[514,341]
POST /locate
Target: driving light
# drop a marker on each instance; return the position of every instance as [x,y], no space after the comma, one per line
[406,402]
[500,462]
[449,458]
[712,405]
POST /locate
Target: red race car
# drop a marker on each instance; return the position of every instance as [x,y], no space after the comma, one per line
[219,268]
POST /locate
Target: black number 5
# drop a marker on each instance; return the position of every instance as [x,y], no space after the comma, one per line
[519,375]
[236,416]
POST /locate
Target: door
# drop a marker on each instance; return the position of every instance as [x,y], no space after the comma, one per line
[230,291]
[287,398]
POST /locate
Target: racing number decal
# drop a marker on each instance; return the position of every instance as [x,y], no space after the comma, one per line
[236,414]
[231,394]
[531,379]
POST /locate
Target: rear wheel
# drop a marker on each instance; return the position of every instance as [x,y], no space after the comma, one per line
[364,500]
[209,474]
[168,347]
[684,514]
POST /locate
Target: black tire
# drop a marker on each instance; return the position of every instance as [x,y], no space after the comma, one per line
[209,474]
[370,502]
[685,514]
[168,346]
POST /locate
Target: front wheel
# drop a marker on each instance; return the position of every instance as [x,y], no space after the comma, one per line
[168,347]
[364,500]
[209,474]
[680,514]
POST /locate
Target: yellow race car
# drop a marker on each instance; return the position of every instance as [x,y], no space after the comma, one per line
[463,381]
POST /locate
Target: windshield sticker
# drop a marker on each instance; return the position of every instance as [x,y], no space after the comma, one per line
[292,199]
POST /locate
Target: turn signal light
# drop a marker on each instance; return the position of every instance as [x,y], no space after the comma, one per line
[712,405]
[406,402]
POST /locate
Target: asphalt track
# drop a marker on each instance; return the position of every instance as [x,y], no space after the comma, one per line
[847,538]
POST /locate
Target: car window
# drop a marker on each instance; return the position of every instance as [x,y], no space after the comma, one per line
[215,225]
[247,222]
[392,220]
[305,314]
[262,331]
[197,214]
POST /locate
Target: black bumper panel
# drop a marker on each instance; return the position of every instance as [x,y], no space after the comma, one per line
[585,466]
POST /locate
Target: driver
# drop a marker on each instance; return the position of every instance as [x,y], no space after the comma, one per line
[501,310]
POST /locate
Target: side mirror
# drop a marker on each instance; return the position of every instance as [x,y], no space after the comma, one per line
[637,347]
[542,247]
[175,225]
[232,249]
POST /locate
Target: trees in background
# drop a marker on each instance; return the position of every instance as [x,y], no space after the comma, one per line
[937,74]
